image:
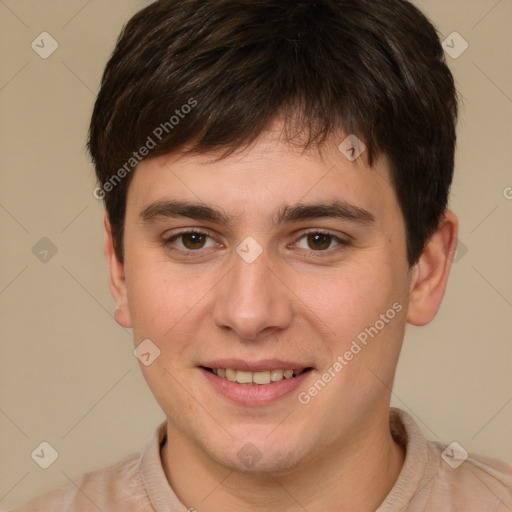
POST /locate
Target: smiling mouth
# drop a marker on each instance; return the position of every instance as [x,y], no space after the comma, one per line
[255,378]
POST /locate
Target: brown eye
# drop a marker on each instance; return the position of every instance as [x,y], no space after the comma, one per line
[189,243]
[193,240]
[319,241]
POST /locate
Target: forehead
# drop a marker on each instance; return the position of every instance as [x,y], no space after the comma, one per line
[263,178]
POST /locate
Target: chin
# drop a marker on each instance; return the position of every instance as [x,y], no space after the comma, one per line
[259,454]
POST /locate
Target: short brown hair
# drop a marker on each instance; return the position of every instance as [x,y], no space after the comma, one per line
[373,68]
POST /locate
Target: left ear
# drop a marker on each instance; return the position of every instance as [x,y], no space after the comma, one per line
[430,274]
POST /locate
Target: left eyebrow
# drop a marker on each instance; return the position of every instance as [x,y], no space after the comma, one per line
[333,209]
[288,213]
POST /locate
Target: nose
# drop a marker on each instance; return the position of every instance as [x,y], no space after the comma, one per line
[253,300]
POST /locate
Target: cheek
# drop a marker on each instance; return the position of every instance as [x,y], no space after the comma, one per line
[162,309]
[161,300]
[347,299]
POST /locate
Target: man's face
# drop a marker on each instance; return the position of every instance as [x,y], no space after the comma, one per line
[281,280]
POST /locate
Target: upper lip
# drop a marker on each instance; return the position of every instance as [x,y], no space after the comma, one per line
[256,366]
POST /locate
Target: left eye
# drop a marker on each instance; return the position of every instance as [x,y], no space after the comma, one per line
[319,241]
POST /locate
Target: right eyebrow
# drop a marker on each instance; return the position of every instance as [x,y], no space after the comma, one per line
[175,208]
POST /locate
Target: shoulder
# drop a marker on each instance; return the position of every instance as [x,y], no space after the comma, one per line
[111,488]
[477,480]
[439,477]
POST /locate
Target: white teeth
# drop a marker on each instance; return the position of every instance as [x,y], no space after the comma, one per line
[276,375]
[231,374]
[243,377]
[264,377]
[261,377]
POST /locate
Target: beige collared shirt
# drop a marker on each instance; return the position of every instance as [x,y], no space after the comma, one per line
[427,482]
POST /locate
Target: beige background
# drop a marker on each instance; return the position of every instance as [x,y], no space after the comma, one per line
[67,372]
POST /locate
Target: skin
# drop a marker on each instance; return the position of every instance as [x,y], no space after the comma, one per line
[294,302]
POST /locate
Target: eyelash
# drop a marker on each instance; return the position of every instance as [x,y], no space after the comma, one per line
[315,254]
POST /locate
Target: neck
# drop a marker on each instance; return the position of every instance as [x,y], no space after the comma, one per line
[343,476]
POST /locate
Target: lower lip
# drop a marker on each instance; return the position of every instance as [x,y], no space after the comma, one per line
[257,394]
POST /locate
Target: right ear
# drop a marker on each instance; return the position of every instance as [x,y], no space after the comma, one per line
[116,278]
